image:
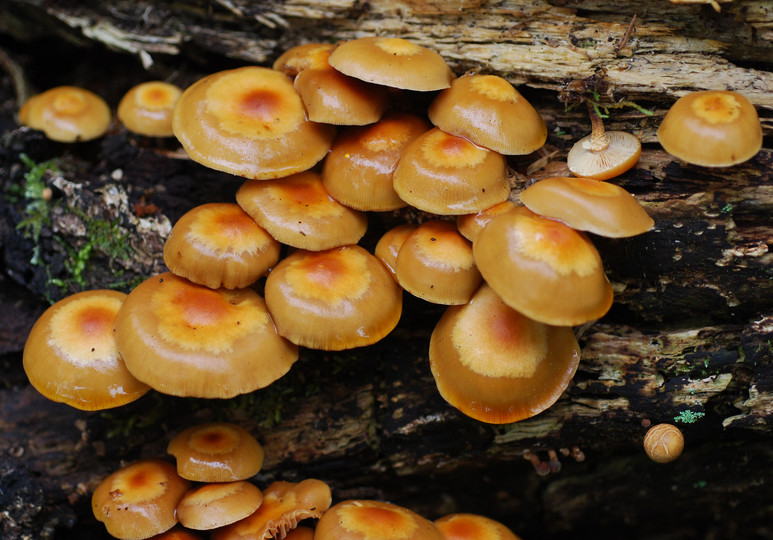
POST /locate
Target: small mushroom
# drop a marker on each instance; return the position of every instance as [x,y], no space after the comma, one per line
[663,443]
[362,519]
[388,246]
[711,128]
[67,114]
[146,109]
[471,224]
[216,452]
[139,500]
[211,506]
[308,55]
[465,526]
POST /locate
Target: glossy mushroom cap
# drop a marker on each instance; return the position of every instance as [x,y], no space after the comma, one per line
[543,268]
[249,122]
[176,533]
[216,505]
[299,212]
[358,171]
[448,175]
[216,452]
[711,128]
[620,153]
[588,205]
[663,443]
[67,114]
[189,340]
[285,504]
[490,112]
[471,224]
[301,57]
[473,527]
[373,520]
[139,500]
[220,245]
[391,61]
[70,355]
[435,263]
[333,300]
[147,108]
[495,364]
[388,246]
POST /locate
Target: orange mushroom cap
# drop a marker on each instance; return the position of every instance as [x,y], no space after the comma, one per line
[220,245]
[471,224]
[298,211]
[139,500]
[588,205]
[358,171]
[621,152]
[188,340]
[216,452]
[147,108]
[301,57]
[490,112]
[388,246]
[216,505]
[67,114]
[285,504]
[391,61]
[336,299]
[70,355]
[449,175]
[176,533]
[250,122]
[711,128]
[473,527]
[663,443]
[435,263]
[495,364]
[543,268]
[374,520]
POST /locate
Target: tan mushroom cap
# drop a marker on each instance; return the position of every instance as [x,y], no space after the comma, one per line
[358,171]
[388,246]
[308,55]
[543,268]
[392,61]
[139,500]
[216,505]
[147,108]
[449,175]
[249,122]
[711,128]
[360,519]
[189,340]
[621,153]
[663,443]
[435,263]
[67,114]
[588,205]
[298,211]
[497,365]
[285,504]
[471,224]
[465,526]
[333,300]
[220,245]
[70,355]
[490,112]
[216,452]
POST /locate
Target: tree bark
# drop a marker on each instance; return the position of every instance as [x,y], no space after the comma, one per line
[688,340]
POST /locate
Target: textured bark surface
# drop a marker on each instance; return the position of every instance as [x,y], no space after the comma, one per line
[689,336]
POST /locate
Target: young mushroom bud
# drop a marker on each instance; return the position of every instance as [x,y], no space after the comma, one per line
[663,443]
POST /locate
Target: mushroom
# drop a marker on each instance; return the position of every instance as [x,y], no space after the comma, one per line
[216,505]
[588,205]
[711,128]
[67,114]
[449,175]
[435,263]
[663,443]
[139,500]
[216,452]
[285,504]
[176,533]
[388,246]
[471,224]
[332,300]
[220,245]
[497,365]
[188,340]
[146,109]
[362,519]
[358,171]
[465,526]
[490,112]
[543,268]
[70,355]
[299,212]
[249,122]
[393,62]
[296,59]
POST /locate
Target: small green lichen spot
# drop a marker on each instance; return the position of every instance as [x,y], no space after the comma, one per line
[688,417]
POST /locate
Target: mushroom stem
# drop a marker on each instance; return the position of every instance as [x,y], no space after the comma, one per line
[598,139]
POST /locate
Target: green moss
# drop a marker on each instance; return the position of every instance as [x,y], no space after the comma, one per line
[688,416]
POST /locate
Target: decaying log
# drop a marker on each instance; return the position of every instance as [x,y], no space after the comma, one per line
[687,341]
